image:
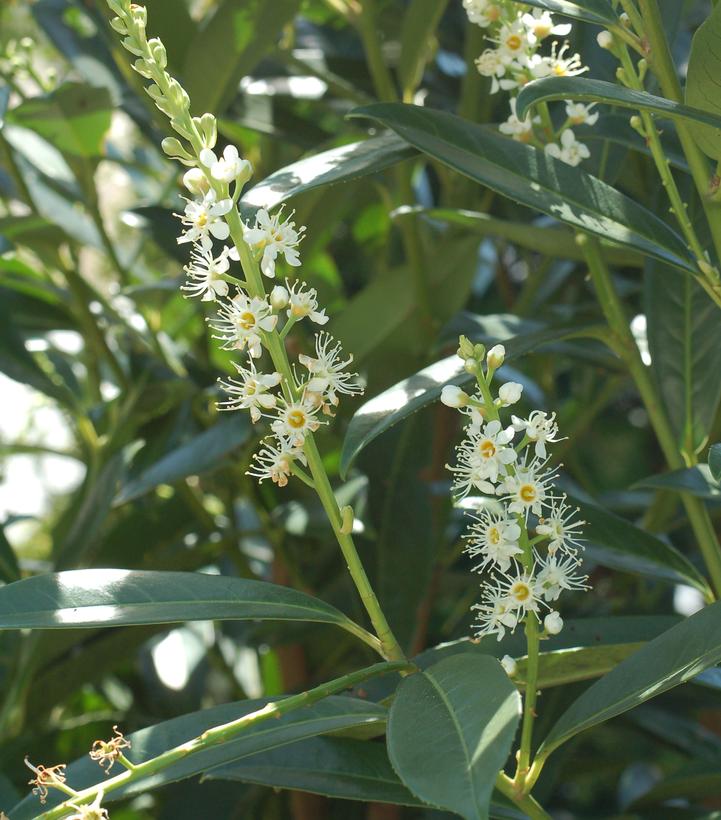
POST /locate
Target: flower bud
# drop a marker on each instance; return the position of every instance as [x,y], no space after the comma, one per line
[196,182]
[453,396]
[553,623]
[118,24]
[209,128]
[174,148]
[495,356]
[509,665]
[510,393]
[605,39]
[465,348]
[279,298]
[471,366]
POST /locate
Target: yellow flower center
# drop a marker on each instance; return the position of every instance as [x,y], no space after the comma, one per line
[513,41]
[521,592]
[487,448]
[527,493]
[247,320]
[296,419]
[202,219]
[494,536]
[559,70]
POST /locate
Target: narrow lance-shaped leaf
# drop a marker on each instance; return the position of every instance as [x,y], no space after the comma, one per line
[667,661]
[450,731]
[534,179]
[598,12]
[714,461]
[585,90]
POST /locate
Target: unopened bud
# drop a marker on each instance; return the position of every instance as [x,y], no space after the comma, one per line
[605,39]
[471,366]
[637,124]
[209,128]
[453,396]
[625,20]
[465,348]
[196,182]
[510,393]
[509,665]
[279,298]
[118,24]
[553,623]
[496,356]
[174,148]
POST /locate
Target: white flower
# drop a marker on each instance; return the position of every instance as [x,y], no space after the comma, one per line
[522,594]
[196,182]
[453,396]
[229,168]
[510,667]
[495,539]
[304,303]
[541,25]
[490,446]
[250,392]
[510,393]
[327,371]
[204,219]
[521,130]
[279,298]
[557,574]
[495,613]
[274,461]
[204,274]
[581,114]
[571,151]
[482,12]
[553,623]
[563,533]
[493,64]
[540,428]
[295,420]
[604,39]
[561,66]
[514,40]
[241,321]
[89,811]
[497,354]
[270,237]
[528,489]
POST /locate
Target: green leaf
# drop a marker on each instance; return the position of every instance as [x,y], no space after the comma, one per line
[419,24]
[340,164]
[614,542]
[74,118]
[529,176]
[445,741]
[598,12]
[667,661]
[714,461]
[9,570]
[424,387]
[551,241]
[242,33]
[696,480]
[118,597]
[577,663]
[703,81]
[585,90]
[331,766]
[202,453]
[331,714]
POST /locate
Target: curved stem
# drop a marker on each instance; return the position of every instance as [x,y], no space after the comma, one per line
[525,802]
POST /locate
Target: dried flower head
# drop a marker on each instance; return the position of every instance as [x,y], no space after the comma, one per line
[46,777]
[106,752]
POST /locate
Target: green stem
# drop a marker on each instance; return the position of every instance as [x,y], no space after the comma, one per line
[529,701]
[524,801]
[662,65]
[222,734]
[624,344]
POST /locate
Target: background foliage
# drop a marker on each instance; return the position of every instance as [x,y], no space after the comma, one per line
[115,456]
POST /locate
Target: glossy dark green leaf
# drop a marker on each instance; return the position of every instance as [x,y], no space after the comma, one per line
[419,24]
[118,597]
[340,164]
[684,341]
[74,118]
[423,388]
[714,461]
[577,663]
[328,715]
[552,241]
[696,480]
[614,542]
[585,90]
[703,81]
[450,731]
[242,33]
[202,453]
[667,661]
[532,178]
[598,12]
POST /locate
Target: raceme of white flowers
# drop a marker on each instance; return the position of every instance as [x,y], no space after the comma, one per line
[292,404]
[517,36]
[525,540]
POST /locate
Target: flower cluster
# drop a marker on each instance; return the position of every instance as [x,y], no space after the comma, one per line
[292,400]
[517,36]
[526,540]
